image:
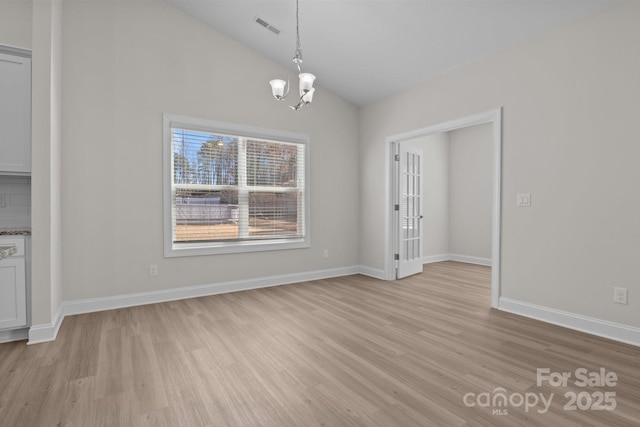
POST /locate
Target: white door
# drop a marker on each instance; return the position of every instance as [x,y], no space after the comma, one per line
[409,210]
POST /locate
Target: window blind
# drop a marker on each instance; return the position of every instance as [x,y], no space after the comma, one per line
[228,188]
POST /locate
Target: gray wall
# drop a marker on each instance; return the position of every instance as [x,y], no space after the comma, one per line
[570,104]
[570,108]
[457,193]
[435,200]
[471,191]
[122,70]
[16,23]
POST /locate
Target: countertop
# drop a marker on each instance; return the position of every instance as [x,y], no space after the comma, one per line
[7,251]
[15,231]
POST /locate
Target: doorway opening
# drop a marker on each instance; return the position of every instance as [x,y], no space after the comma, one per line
[404,219]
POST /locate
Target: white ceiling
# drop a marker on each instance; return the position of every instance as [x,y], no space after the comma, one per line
[365,50]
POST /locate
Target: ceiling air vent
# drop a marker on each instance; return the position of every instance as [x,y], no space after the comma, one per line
[266,25]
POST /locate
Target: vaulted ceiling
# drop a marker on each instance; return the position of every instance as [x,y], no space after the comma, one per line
[365,50]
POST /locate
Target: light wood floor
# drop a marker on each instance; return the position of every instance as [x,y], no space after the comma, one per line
[352,351]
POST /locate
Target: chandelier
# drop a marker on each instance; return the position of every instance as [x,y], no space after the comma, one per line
[280,88]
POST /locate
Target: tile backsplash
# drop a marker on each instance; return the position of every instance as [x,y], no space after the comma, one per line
[15,201]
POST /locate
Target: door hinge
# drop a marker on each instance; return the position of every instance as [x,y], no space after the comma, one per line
[396,257]
[397,157]
[396,207]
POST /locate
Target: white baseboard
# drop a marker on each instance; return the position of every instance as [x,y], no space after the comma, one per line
[471,259]
[153,297]
[590,325]
[436,258]
[455,257]
[48,331]
[372,272]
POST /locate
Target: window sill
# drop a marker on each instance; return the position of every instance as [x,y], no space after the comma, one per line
[208,248]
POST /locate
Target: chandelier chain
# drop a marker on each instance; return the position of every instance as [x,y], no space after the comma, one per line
[297,26]
[297,58]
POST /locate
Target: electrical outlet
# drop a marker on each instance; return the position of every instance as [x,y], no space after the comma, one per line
[326,254]
[153,270]
[620,295]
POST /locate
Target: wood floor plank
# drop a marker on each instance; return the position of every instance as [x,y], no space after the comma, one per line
[348,351]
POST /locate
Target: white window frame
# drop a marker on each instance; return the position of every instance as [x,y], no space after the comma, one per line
[170,121]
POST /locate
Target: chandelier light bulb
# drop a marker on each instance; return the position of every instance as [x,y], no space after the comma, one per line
[306,82]
[308,96]
[277,88]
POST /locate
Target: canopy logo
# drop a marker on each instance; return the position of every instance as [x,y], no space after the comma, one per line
[499,400]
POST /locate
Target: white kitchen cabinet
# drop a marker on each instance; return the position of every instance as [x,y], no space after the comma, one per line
[15,114]
[13,286]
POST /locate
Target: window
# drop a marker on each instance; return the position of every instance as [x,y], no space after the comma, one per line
[231,188]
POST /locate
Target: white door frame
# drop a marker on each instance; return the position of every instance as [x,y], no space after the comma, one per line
[491,116]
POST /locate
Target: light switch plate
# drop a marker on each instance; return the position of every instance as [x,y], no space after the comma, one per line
[620,295]
[2,201]
[523,200]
